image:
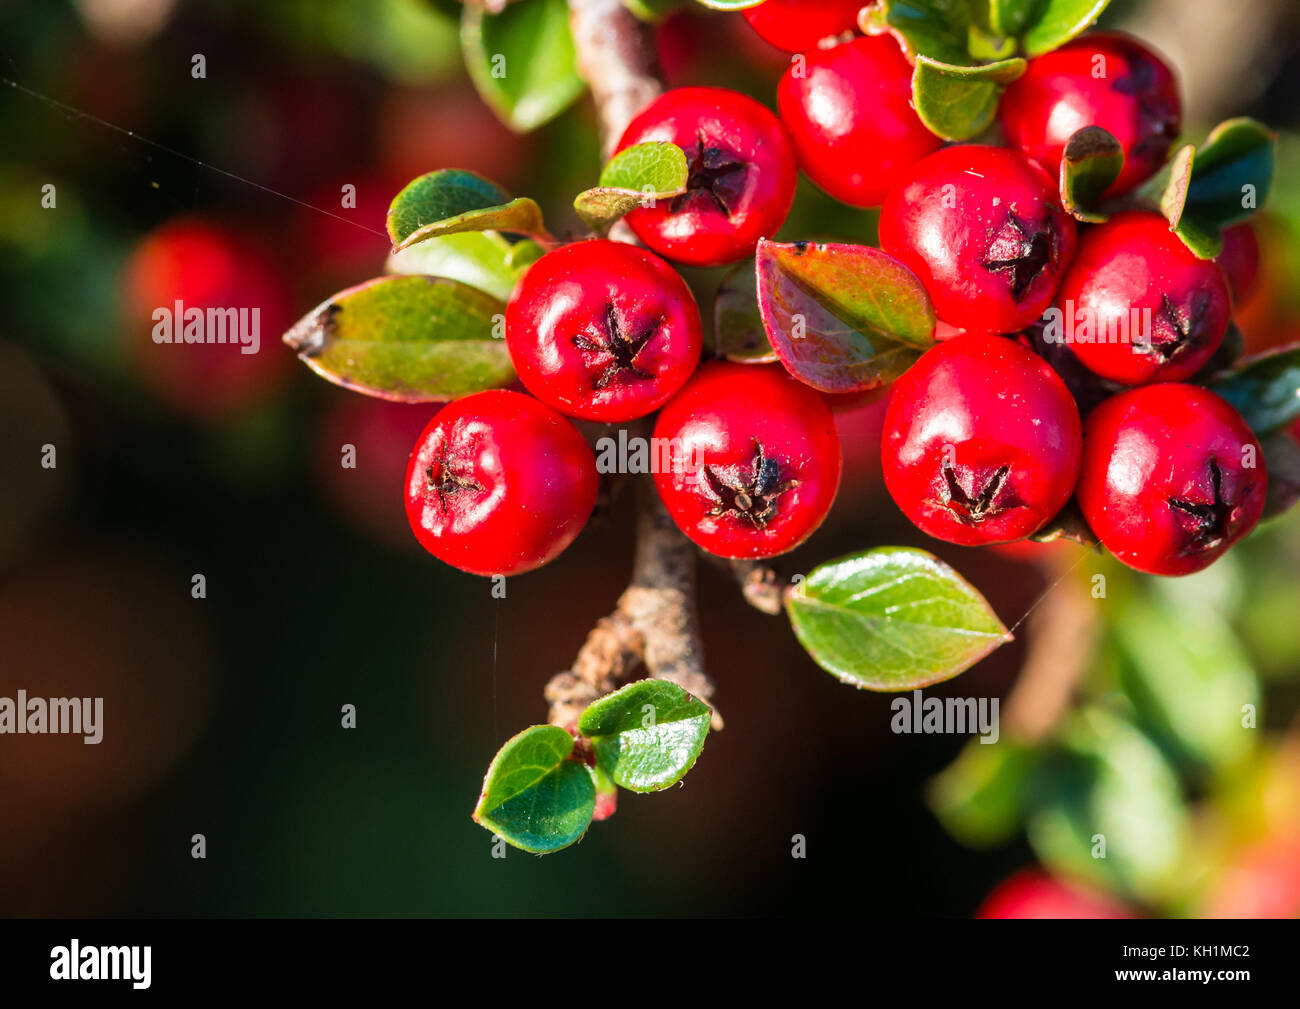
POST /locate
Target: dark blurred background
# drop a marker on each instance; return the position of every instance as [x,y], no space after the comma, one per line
[223,713]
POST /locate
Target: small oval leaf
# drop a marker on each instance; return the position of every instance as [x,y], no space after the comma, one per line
[958,102]
[534,797]
[1222,182]
[522,60]
[410,339]
[738,333]
[892,618]
[1058,21]
[939,29]
[639,176]
[451,201]
[1011,17]
[842,318]
[1265,390]
[1092,161]
[482,259]
[647,734]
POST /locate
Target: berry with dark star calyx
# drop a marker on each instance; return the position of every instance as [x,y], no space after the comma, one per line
[1138,307]
[748,460]
[603,330]
[741,180]
[1108,80]
[499,484]
[850,116]
[799,25]
[984,230]
[1172,477]
[981,442]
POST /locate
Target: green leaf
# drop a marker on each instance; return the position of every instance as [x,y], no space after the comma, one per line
[939,29]
[450,201]
[1265,390]
[1057,22]
[647,734]
[738,333]
[482,259]
[957,102]
[1110,785]
[1219,184]
[641,175]
[982,796]
[534,797]
[411,339]
[1011,17]
[1090,164]
[842,318]
[522,60]
[892,618]
[1188,677]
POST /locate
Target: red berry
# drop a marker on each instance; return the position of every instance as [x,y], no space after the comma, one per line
[850,116]
[499,484]
[208,268]
[742,175]
[1031,893]
[603,330]
[981,442]
[749,461]
[1171,477]
[984,229]
[1239,261]
[798,25]
[1106,80]
[1137,306]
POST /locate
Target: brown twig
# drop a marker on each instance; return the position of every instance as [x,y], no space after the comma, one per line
[616,57]
[762,587]
[655,623]
[1062,633]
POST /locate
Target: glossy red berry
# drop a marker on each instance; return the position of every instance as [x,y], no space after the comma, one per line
[1137,306]
[981,442]
[742,175]
[984,229]
[499,484]
[749,460]
[1239,261]
[603,330]
[850,116]
[798,25]
[1108,80]
[1172,477]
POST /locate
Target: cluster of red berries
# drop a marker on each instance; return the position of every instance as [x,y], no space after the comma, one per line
[983,440]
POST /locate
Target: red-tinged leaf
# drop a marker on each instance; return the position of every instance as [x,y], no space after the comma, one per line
[842,318]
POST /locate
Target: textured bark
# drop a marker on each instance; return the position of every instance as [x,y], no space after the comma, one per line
[655,624]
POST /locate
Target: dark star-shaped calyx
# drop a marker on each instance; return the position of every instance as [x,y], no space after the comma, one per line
[620,348]
[1175,328]
[712,173]
[750,495]
[440,479]
[1019,252]
[989,495]
[1207,524]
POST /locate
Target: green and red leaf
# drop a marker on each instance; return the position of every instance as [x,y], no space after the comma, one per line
[410,339]
[841,318]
